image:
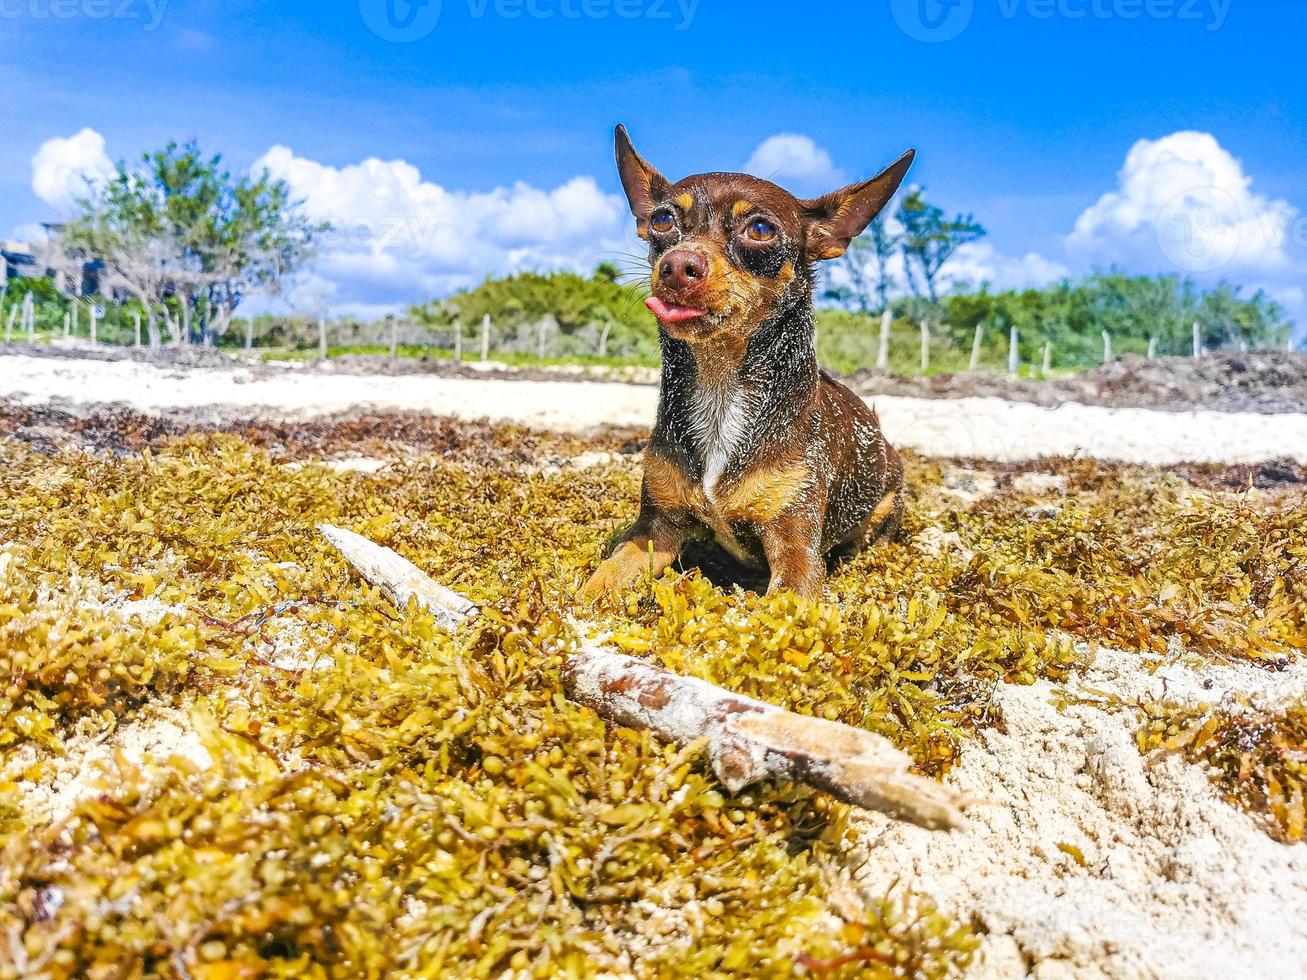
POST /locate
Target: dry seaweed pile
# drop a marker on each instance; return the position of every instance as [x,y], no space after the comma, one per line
[365,795]
[1266,381]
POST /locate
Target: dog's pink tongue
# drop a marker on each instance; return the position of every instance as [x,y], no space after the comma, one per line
[672,314]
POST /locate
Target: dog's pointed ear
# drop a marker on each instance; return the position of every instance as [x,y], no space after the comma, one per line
[640,180]
[837,218]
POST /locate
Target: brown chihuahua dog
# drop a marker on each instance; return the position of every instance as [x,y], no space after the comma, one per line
[754,445]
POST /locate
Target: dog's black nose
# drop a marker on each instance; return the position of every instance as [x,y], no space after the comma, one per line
[681,269]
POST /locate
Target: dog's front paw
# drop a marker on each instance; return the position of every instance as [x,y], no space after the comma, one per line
[613,575]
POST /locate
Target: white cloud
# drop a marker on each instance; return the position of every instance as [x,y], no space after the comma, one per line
[308,294]
[30,234]
[65,169]
[1184,204]
[979,262]
[400,239]
[796,158]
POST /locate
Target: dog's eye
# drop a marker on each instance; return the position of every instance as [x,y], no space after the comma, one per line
[662,221]
[760,230]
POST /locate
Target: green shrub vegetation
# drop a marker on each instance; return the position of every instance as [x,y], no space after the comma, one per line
[1070,315]
[1073,314]
[581,306]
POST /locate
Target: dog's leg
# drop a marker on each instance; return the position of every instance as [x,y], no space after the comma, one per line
[649,547]
[792,544]
[882,524]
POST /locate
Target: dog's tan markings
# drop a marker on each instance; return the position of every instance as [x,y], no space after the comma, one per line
[764,494]
[741,208]
[669,487]
[631,560]
[883,509]
[684,200]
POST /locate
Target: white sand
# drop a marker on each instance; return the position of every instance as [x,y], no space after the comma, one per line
[1177,883]
[985,428]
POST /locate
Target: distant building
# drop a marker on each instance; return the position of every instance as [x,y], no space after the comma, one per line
[17,261]
[21,260]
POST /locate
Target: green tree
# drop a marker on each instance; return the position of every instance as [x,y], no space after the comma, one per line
[582,306]
[865,269]
[929,240]
[179,230]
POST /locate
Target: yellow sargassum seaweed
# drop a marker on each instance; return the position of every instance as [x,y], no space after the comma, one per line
[384,799]
[1255,756]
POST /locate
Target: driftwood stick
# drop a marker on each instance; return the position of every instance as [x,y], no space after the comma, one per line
[748,740]
[398,577]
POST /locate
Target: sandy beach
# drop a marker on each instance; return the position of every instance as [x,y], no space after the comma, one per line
[980,428]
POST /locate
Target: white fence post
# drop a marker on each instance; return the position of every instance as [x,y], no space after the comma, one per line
[29,317]
[882,352]
[1107,347]
[1013,356]
[603,339]
[1048,357]
[925,346]
[975,346]
[95,324]
[249,333]
[1152,348]
[1198,341]
[73,310]
[9,324]
[485,337]
[136,329]
[68,323]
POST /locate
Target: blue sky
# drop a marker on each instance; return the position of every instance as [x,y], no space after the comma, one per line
[501,111]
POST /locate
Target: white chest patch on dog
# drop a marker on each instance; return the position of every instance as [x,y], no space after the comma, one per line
[720,420]
[719,424]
